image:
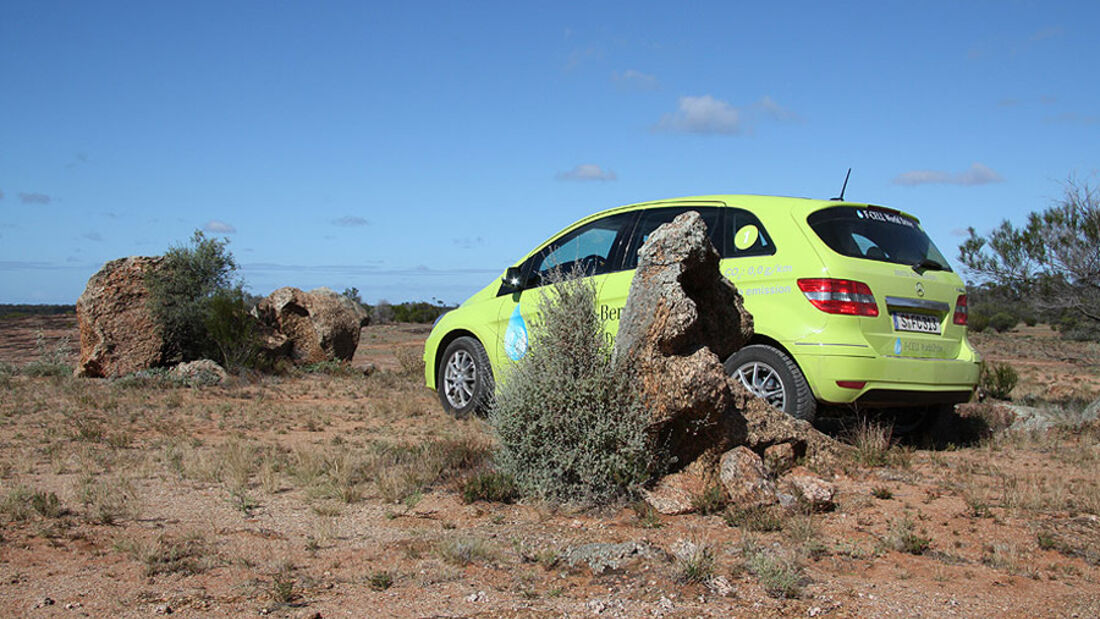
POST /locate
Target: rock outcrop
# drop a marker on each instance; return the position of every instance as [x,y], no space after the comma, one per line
[118,334]
[681,319]
[314,326]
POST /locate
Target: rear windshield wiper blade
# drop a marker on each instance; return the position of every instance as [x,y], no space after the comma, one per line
[928,264]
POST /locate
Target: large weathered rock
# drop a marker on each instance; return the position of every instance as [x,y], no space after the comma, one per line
[320,325]
[117,332]
[680,320]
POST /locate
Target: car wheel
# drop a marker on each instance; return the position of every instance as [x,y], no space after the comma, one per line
[769,373]
[465,378]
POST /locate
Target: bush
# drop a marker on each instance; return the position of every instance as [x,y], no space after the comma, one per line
[977,322]
[1003,321]
[51,361]
[181,291]
[489,486]
[569,424]
[998,379]
[233,333]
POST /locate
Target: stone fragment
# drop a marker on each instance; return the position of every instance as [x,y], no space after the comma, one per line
[746,482]
[604,557]
[808,488]
[200,373]
[675,494]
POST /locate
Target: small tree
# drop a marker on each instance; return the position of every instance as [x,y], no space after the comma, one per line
[1053,261]
[181,291]
[569,424]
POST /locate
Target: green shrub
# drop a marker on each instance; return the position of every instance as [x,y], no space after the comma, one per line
[977,322]
[998,379]
[1003,321]
[180,293]
[489,486]
[569,424]
[233,333]
[52,360]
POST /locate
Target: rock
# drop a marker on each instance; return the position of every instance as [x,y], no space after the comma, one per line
[44,602]
[319,325]
[163,609]
[118,334]
[746,482]
[719,585]
[779,458]
[199,373]
[764,426]
[603,557]
[675,494]
[808,488]
[681,319]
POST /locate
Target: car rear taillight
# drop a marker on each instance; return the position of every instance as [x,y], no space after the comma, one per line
[840,296]
[960,310]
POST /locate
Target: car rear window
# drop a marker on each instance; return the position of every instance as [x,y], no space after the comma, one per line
[875,234]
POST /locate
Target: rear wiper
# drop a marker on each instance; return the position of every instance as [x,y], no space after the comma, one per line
[928,264]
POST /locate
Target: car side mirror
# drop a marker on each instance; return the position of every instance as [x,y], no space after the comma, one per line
[513,278]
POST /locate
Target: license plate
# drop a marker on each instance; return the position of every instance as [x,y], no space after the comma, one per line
[919,323]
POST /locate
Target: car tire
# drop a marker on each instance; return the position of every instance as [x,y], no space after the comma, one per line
[464,379]
[769,373]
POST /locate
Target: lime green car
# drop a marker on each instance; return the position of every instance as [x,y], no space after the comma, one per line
[853,303]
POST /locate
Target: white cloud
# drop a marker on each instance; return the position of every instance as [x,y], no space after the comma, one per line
[1072,118]
[350,221]
[586,172]
[707,115]
[34,198]
[219,227]
[632,79]
[775,111]
[977,174]
[703,115]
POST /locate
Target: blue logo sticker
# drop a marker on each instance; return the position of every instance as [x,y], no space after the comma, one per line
[897,346]
[515,336]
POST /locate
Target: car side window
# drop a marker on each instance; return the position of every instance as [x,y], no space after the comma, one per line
[650,219]
[593,249]
[737,221]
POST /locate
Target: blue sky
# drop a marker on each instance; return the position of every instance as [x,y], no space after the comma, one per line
[414,150]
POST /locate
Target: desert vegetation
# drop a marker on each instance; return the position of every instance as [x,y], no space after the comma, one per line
[328,490]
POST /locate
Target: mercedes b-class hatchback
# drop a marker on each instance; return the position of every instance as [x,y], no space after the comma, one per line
[853,303]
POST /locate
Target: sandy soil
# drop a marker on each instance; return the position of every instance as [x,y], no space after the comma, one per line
[340,495]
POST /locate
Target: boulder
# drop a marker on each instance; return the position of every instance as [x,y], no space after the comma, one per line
[320,325]
[118,334]
[681,319]
[742,474]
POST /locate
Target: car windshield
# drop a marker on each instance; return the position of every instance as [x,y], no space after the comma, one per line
[877,234]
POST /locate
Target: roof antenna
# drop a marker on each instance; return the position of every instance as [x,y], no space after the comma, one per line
[842,189]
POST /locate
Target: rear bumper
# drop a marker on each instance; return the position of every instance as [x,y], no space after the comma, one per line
[890,381]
